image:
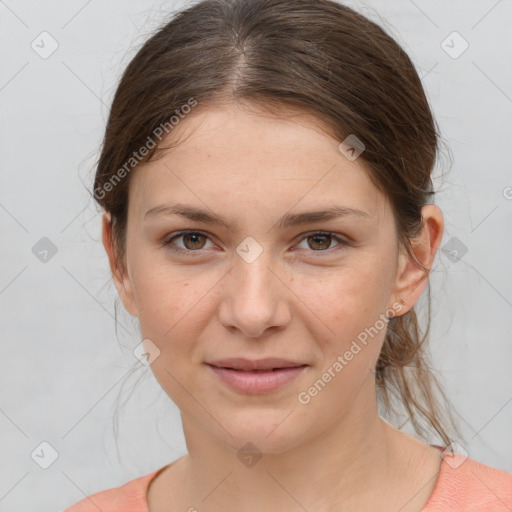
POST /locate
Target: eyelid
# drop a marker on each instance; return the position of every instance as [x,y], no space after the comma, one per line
[167,242]
[341,241]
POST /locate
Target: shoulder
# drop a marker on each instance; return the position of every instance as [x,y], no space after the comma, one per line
[130,496]
[466,484]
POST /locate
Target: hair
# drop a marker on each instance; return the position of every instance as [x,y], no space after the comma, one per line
[322,58]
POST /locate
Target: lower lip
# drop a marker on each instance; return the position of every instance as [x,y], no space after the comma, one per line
[257,382]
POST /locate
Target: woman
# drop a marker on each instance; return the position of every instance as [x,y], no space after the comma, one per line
[266,184]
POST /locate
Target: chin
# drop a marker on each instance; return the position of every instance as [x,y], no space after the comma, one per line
[271,434]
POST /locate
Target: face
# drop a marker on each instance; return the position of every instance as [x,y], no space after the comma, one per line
[258,285]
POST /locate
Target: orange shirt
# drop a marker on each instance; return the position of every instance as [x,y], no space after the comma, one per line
[463,485]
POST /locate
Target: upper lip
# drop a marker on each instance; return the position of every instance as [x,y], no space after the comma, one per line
[240,363]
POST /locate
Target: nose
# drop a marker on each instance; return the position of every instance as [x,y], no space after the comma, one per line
[255,297]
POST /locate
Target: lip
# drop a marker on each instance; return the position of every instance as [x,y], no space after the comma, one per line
[269,363]
[272,374]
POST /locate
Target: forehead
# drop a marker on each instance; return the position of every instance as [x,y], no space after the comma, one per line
[230,155]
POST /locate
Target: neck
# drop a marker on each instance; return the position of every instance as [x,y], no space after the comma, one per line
[341,466]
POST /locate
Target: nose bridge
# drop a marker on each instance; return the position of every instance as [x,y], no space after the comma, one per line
[252,269]
[253,297]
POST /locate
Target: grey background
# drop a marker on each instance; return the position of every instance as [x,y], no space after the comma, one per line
[62,367]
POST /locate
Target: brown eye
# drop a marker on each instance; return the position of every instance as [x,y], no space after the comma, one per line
[320,242]
[193,241]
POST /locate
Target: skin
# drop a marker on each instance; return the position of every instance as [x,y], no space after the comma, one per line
[294,301]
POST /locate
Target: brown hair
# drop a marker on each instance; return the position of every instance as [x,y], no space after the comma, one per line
[321,57]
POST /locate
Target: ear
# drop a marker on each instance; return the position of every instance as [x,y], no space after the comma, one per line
[119,272]
[411,279]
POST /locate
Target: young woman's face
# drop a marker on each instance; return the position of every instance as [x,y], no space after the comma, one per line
[265,287]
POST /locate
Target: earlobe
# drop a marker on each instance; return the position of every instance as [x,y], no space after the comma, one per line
[119,275]
[411,277]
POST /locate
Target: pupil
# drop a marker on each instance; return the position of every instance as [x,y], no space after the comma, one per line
[193,236]
[316,237]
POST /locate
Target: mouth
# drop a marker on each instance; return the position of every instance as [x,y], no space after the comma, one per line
[248,377]
[258,371]
[256,365]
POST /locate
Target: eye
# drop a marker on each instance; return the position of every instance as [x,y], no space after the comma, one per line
[321,240]
[191,239]
[194,241]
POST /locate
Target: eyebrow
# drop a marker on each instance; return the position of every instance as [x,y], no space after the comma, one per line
[290,219]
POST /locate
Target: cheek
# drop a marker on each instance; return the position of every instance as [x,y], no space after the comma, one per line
[353,295]
[166,299]
[172,315]
[351,306]
[353,303]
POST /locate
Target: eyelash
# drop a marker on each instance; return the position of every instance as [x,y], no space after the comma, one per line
[167,243]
